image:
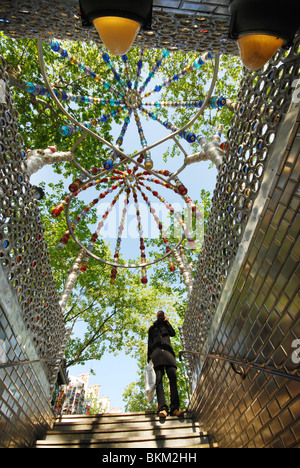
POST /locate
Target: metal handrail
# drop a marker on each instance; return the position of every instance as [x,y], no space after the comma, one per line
[238,362]
[22,363]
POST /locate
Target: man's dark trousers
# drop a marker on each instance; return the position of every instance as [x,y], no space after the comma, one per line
[171,373]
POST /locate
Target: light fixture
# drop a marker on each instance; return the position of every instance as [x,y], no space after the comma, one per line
[261,27]
[117,21]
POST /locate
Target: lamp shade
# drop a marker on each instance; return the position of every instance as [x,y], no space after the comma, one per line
[261,27]
[117,21]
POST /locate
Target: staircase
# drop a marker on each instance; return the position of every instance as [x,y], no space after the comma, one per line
[126,430]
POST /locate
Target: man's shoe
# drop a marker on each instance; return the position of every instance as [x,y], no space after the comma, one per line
[163,414]
[178,413]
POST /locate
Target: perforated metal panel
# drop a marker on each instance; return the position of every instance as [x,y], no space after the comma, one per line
[177,25]
[31,320]
[245,303]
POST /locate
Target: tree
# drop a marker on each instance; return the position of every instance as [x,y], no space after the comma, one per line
[115,316]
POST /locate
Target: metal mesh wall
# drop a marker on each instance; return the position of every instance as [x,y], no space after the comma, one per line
[31,320]
[245,301]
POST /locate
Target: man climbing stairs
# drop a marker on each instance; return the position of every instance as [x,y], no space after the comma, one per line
[126,430]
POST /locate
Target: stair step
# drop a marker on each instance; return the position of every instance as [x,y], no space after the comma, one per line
[154,442]
[130,426]
[125,430]
[132,434]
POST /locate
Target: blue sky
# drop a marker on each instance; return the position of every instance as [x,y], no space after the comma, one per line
[114,373]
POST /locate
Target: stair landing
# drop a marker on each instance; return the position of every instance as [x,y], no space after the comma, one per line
[125,430]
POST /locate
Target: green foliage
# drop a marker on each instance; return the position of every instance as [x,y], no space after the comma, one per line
[110,317]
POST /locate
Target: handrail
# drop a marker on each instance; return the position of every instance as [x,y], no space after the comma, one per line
[241,363]
[22,363]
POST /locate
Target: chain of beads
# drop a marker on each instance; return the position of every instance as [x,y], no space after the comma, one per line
[120,232]
[216,102]
[154,70]
[192,66]
[56,47]
[68,130]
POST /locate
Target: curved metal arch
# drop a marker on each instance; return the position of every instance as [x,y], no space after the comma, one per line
[107,143]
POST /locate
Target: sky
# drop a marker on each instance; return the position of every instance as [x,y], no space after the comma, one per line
[114,373]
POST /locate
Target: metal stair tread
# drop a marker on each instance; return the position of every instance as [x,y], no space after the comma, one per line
[154,441]
[125,430]
[133,434]
[130,425]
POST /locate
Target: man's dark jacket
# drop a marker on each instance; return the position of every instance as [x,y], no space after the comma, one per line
[159,345]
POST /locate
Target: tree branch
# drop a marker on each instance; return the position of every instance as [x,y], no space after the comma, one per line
[98,334]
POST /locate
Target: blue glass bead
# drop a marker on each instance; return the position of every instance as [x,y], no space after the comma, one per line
[129,84]
[108,164]
[221,102]
[93,74]
[106,57]
[190,137]
[210,56]
[213,103]
[124,58]
[64,53]
[5,244]
[103,118]
[55,46]
[29,87]
[157,88]
[64,96]
[140,64]
[175,77]
[166,53]
[66,130]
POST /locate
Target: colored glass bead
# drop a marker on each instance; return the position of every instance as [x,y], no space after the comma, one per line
[108,164]
[29,87]
[57,210]
[66,130]
[148,163]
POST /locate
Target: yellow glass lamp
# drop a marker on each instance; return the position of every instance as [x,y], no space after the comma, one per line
[117,33]
[117,21]
[261,27]
[257,49]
